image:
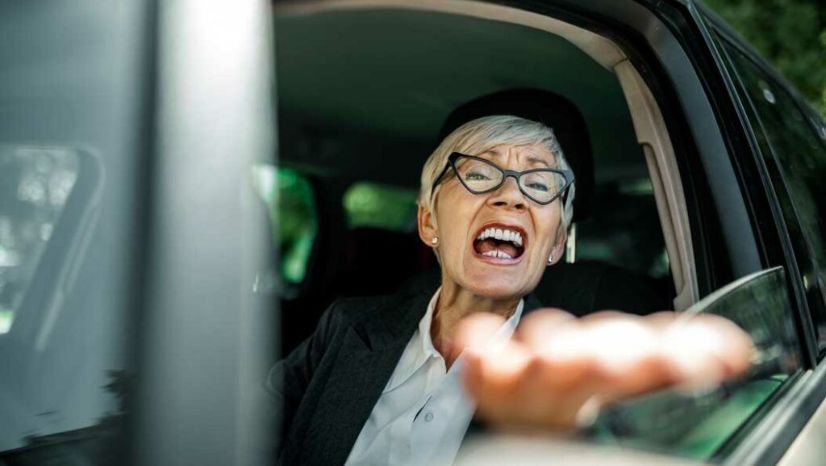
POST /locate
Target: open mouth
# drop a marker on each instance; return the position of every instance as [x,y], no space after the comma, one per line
[500,242]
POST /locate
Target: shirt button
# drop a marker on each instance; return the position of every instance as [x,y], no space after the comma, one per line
[428,417]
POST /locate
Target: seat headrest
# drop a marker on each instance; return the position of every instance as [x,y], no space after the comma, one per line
[552,110]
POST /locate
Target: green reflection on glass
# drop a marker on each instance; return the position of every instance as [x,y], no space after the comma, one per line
[289,197]
[6,319]
[380,206]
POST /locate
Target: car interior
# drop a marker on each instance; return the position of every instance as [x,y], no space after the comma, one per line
[123,243]
[367,90]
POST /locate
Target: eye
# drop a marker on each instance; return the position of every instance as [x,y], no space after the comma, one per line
[537,186]
[476,176]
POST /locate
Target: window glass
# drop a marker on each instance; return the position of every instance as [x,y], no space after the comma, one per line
[34,186]
[792,141]
[380,206]
[289,198]
[381,226]
[625,230]
[699,424]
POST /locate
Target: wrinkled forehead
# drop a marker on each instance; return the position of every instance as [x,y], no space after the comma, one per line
[532,155]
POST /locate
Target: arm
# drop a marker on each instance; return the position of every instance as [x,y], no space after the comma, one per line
[558,370]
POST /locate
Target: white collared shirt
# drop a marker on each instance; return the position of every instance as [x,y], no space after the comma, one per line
[423,412]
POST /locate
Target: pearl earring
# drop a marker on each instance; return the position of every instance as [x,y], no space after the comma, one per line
[551,259]
[434,241]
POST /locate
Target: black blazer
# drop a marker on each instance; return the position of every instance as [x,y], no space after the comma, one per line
[326,388]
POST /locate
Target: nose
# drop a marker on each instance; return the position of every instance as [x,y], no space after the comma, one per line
[508,195]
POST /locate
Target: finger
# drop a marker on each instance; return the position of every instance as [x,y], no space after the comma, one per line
[729,343]
[662,319]
[505,367]
[626,351]
[477,330]
[706,350]
[538,329]
[554,336]
[493,378]
[539,379]
[473,336]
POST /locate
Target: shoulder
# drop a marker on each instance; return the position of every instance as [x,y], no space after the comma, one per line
[346,312]
[395,313]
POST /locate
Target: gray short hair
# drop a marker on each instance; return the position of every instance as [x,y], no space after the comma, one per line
[482,134]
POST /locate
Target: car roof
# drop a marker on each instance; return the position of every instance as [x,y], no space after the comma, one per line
[430,63]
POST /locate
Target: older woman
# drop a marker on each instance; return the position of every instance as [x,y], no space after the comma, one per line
[381,379]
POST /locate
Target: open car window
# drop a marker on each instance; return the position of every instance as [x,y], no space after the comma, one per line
[706,422]
[793,146]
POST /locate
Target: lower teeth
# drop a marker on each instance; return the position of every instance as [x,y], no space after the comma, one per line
[497,254]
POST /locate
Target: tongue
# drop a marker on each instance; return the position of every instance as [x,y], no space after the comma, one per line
[489,244]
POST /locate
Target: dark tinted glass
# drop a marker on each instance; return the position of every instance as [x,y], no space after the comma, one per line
[699,424]
[792,142]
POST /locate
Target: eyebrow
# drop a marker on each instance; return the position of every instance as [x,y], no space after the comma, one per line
[536,160]
[532,159]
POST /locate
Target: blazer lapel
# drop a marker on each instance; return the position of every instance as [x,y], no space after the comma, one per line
[366,360]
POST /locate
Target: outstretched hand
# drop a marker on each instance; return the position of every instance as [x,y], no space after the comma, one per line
[558,370]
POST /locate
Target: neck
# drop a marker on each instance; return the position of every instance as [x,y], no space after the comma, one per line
[456,303]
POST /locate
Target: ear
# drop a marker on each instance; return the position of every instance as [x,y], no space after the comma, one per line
[559,247]
[427,225]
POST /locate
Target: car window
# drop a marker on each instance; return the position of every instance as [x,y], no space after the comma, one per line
[790,142]
[381,206]
[293,218]
[34,186]
[50,199]
[627,231]
[701,423]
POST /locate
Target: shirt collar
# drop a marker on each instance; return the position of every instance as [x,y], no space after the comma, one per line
[504,332]
[420,347]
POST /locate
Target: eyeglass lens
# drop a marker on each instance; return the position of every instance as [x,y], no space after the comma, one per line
[480,176]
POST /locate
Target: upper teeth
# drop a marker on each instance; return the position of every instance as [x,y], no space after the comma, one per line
[501,234]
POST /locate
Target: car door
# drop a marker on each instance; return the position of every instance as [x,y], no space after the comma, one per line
[130,237]
[777,143]
[72,131]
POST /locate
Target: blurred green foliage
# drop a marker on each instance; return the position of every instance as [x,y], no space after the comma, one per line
[289,198]
[791,34]
[382,206]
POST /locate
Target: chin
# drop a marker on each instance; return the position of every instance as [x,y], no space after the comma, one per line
[497,288]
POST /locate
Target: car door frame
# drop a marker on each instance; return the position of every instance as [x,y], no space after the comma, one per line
[681,65]
[768,440]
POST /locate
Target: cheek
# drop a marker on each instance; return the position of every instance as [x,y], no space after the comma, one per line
[454,216]
[549,224]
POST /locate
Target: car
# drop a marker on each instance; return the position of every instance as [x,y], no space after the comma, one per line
[185,188]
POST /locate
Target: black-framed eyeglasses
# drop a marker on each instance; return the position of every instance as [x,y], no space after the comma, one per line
[479,176]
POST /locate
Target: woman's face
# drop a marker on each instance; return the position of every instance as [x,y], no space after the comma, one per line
[487,266]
